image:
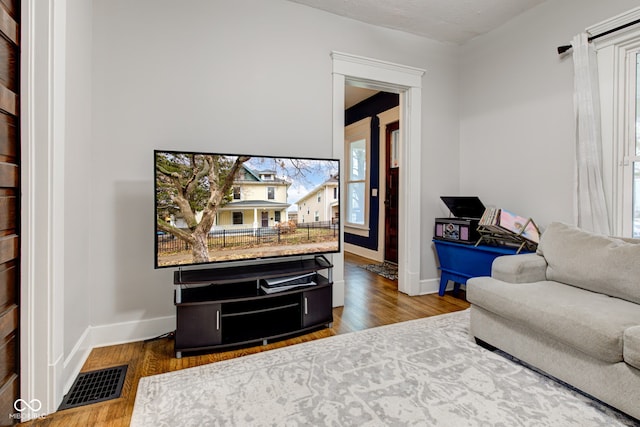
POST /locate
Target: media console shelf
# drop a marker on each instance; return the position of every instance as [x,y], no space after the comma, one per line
[228,306]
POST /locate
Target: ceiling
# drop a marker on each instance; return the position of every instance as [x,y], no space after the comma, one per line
[353,95]
[454,21]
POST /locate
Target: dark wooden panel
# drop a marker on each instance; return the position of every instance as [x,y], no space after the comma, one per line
[9,26]
[9,209]
[12,7]
[8,394]
[8,285]
[8,361]
[8,248]
[8,321]
[8,175]
[9,144]
[8,358]
[9,64]
[8,101]
[8,217]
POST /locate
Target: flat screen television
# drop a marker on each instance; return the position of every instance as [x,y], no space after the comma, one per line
[214,207]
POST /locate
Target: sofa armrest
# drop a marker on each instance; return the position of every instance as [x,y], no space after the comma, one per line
[631,346]
[525,268]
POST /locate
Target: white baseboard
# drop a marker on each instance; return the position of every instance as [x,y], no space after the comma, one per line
[432,286]
[364,252]
[74,361]
[338,294]
[137,330]
[113,334]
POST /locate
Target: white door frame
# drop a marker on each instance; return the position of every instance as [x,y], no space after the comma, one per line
[42,173]
[406,81]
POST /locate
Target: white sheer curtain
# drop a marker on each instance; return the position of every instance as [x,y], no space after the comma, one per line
[590,207]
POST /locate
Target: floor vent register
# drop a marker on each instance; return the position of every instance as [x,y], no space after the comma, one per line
[95,386]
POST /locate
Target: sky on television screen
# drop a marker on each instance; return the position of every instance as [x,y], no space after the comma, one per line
[315,173]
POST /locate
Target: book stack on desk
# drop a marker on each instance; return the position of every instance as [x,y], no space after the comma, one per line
[502,221]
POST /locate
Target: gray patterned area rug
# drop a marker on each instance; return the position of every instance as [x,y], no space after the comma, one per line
[424,372]
[386,269]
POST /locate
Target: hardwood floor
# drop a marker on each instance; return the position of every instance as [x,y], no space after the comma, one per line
[370,300]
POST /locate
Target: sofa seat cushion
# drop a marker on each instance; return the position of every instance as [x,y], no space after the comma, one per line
[631,351]
[587,321]
[591,261]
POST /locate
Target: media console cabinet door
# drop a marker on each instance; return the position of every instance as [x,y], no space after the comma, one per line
[317,307]
[198,325]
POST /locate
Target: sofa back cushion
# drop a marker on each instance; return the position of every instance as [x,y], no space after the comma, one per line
[591,261]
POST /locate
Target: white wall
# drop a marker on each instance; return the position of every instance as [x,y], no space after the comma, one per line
[255,76]
[516,109]
[78,225]
[237,76]
[56,139]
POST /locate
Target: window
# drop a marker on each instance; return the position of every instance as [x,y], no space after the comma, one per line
[319,195]
[277,216]
[634,157]
[335,193]
[236,193]
[357,181]
[316,216]
[271,193]
[619,71]
[237,218]
[634,152]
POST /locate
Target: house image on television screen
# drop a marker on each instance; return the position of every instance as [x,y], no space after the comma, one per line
[259,199]
[242,211]
[321,204]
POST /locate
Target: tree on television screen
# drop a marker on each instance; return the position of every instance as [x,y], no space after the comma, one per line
[189,184]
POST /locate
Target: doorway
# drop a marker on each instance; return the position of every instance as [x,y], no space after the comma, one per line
[406,81]
[392,183]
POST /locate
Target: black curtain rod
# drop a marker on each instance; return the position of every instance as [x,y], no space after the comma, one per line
[563,49]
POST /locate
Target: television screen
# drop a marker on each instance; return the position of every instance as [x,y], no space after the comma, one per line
[212,207]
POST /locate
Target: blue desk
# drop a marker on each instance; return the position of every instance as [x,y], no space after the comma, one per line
[459,262]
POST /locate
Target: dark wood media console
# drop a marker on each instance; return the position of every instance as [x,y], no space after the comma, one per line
[228,306]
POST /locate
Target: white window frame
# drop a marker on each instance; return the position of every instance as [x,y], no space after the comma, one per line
[355,132]
[629,154]
[617,98]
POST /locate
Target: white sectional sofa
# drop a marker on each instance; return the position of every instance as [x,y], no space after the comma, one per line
[572,310]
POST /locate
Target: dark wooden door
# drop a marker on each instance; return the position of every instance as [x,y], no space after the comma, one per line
[265,219]
[9,208]
[316,307]
[391,193]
